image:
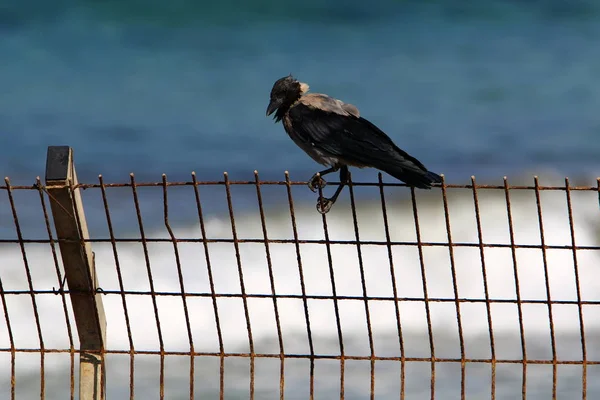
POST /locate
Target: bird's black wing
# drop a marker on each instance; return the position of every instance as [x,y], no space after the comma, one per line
[353,139]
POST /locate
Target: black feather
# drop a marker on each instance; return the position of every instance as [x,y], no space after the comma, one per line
[357,141]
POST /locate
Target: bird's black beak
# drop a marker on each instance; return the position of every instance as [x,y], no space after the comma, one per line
[273,105]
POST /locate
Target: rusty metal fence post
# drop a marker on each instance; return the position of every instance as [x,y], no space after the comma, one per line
[78,260]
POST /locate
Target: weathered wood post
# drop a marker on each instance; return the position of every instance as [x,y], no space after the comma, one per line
[78,261]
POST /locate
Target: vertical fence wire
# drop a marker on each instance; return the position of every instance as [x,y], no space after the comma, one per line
[13,373]
[263,224]
[486,291]
[311,348]
[211,282]
[238,259]
[538,203]
[364,287]
[36,314]
[394,289]
[425,291]
[138,212]
[578,290]
[461,341]
[113,244]
[335,301]
[513,252]
[181,284]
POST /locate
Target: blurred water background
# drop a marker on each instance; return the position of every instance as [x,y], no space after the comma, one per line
[487,88]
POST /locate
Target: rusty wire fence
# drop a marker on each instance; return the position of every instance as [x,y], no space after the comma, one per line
[383,298]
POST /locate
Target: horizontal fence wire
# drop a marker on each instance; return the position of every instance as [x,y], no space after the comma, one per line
[332,277]
[84,186]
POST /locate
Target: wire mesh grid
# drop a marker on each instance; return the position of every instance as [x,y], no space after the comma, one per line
[412,363]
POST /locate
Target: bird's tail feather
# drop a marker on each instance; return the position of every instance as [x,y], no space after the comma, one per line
[419,179]
[435,178]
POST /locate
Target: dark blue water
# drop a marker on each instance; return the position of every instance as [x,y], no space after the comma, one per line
[487,89]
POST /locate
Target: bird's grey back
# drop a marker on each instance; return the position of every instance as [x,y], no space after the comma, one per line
[329,104]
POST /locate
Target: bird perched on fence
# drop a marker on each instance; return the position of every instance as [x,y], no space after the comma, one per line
[335,135]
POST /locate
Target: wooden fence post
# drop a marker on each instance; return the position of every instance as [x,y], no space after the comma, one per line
[80,271]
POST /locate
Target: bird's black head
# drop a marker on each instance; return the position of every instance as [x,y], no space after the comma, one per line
[285,92]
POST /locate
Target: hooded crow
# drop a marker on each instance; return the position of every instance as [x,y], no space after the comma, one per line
[334,134]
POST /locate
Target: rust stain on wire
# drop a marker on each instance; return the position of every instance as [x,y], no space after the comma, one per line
[335,301]
[212,289]
[364,286]
[242,284]
[181,284]
[267,242]
[317,356]
[121,287]
[263,223]
[394,290]
[578,288]
[12,349]
[547,284]
[425,292]
[302,288]
[30,284]
[517,288]
[298,183]
[485,288]
[151,282]
[463,376]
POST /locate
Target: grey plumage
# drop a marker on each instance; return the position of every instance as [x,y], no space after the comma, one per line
[334,134]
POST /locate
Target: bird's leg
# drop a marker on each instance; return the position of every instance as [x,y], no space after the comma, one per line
[317,181]
[325,204]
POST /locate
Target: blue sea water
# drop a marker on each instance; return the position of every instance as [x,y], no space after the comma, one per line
[488,88]
[153,87]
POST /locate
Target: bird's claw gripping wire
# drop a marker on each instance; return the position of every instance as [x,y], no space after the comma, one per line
[316,182]
[324,205]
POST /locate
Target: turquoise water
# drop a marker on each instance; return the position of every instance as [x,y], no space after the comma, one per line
[175,87]
[492,89]
[488,88]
